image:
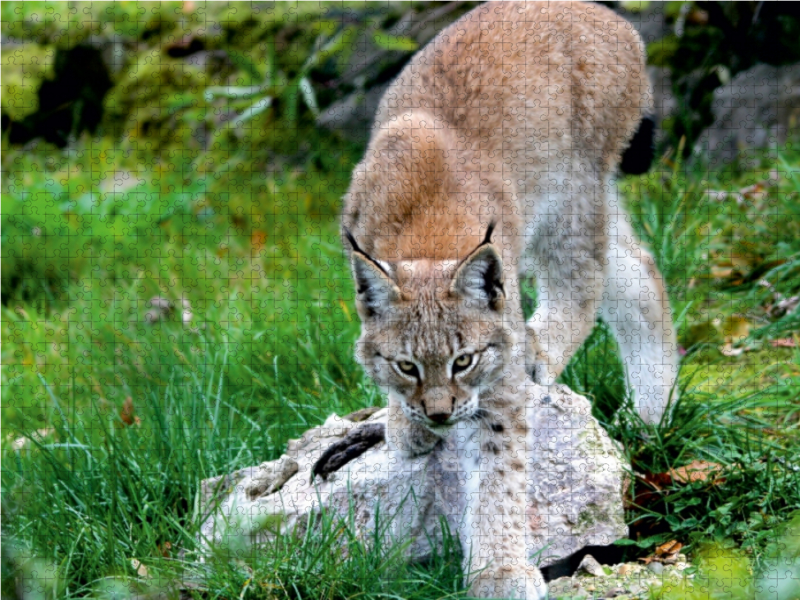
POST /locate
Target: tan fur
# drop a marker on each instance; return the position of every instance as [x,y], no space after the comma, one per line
[517,115]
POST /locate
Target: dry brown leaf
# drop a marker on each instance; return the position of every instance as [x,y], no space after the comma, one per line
[665,553]
[127,413]
[670,548]
[644,489]
[697,470]
[165,549]
[140,569]
[257,239]
[697,16]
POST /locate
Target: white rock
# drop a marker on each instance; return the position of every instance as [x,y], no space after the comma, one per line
[590,566]
[575,485]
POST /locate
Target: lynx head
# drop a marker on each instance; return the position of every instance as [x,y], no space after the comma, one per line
[433,333]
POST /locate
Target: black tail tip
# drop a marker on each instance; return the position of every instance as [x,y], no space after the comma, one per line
[639,155]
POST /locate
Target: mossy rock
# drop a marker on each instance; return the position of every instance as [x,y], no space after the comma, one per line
[25,67]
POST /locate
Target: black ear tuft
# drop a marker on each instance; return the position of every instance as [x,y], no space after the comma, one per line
[487,239]
[638,157]
[352,240]
[479,278]
[375,290]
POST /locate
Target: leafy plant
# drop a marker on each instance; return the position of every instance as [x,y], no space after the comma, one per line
[276,85]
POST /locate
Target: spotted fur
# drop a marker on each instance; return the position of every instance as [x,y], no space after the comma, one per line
[492,159]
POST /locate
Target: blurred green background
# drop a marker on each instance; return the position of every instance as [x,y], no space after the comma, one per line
[176,303]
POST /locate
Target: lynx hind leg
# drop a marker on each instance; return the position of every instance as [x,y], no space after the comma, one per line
[636,308]
[568,284]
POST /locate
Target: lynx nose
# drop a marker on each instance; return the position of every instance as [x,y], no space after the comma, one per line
[439,418]
[437,409]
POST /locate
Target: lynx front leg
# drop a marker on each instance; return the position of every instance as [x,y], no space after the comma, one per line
[568,275]
[495,522]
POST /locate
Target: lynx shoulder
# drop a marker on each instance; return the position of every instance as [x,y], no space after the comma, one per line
[519,113]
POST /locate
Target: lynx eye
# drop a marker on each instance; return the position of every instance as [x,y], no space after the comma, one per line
[462,362]
[407,368]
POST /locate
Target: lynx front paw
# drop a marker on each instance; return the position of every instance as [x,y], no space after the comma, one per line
[519,582]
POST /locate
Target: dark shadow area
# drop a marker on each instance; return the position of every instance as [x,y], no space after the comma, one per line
[72,102]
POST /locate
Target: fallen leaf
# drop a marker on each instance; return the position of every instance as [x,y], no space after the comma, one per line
[697,16]
[127,413]
[668,549]
[783,343]
[697,470]
[140,569]
[165,549]
[646,488]
[665,553]
[257,239]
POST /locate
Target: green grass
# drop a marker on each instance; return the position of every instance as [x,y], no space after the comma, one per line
[123,418]
[739,411]
[269,353]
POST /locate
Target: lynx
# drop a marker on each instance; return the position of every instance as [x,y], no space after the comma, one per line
[492,159]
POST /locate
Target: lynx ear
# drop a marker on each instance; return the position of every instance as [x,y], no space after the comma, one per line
[479,278]
[375,290]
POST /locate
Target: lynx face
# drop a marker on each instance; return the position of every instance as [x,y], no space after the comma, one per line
[433,333]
